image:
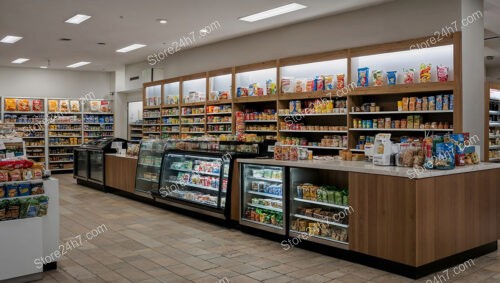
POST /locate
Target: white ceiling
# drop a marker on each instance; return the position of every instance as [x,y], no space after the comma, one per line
[492,29]
[120,23]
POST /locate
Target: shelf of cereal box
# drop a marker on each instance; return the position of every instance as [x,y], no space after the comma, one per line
[309,95]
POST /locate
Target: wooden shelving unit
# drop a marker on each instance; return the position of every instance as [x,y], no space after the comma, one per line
[492,118]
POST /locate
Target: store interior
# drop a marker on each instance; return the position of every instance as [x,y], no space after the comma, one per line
[250,141]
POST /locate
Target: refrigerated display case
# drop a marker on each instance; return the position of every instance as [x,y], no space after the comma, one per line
[197,181]
[149,166]
[319,206]
[263,196]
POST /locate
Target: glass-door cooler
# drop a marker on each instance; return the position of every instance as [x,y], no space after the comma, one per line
[148,167]
[262,196]
[196,181]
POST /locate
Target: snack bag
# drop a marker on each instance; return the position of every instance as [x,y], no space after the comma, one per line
[459,141]
[23,189]
[11,190]
[300,85]
[4,176]
[425,73]
[329,84]
[74,105]
[12,211]
[409,76]
[10,104]
[43,208]
[439,102]
[33,207]
[340,81]
[27,174]
[53,105]
[445,156]
[286,85]
[378,78]
[105,105]
[37,189]
[94,105]
[363,76]
[442,73]
[23,104]
[37,105]
[15,175]
[64,106]
[391,77]
[23,207]
[310,85]
[409,122]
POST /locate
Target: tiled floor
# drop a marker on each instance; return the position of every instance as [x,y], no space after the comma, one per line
[148,244]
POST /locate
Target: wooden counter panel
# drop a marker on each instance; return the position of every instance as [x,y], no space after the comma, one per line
[120,173]
[454,214]
[383,221]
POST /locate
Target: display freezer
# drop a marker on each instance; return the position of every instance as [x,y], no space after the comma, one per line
[197,181]
[263,195]
[319,206]
[148,166]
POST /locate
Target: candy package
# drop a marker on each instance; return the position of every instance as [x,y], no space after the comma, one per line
[37,105]
[391,77]
[94,105]
[409,76]
[74,105]
[439,102]
[300,85]
[104,106]
[10,104]
[64,105]
[53,105]
[340,81]
[442,73]
[286,85]
[425,73]
[363,76]
[378,78]
[23,104]
[329,84]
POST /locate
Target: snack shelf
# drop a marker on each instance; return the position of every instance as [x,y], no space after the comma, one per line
[494,146]
[149,124]
[167,106]
[197,172]
[70,123]
[190,115]
[266,207]
[192,132]
[320,239]
[24,112]
[357,150]
[307,94]
[98,113]
[190,104]
[193,185]
[400,130]
[321,203]
[170,132]
[261,131]
[23,197]
[494,124]
[266,179]
[152,107]
[220,113]
[63,145]
[402,112]
[311,131]
[257,224]
[192,123]
[35,146]
[151,132]
[220,123]
[320,220]
[251,99]
[65,130]
[170,115]
[88,123]
[312,115]
[98,130]
[404,88]
[23,182]
[264,194]
[61,161]
[219,102]
[65,113]
[219,132]
[494,112]
[261,121]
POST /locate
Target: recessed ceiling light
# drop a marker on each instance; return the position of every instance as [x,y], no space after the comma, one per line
[79,64]
[11,39]
[78,19]
[101,43]
[130,48]
[65,39]
[203,30]
[162,21]
[273,12]
[20,60]
[43,67]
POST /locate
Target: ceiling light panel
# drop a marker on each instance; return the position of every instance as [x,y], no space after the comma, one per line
[79,64]
[130,48]
[273,12]
[11,39]
[78,19]
[20,60]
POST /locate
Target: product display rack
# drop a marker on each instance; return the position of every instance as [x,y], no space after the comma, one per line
[336,129]
[51,134]
[135,131]
[97,122]
[193,105]
[219,108]
[492,129]
[170,111]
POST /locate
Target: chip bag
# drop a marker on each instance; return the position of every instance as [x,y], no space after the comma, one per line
[340,81]
[409,76]
[363,76]
[442,73]
[425,73]
[391,77]
[378,78]
[10,104]
[53,105]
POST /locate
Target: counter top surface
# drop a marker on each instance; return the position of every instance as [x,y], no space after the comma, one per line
[369,168]
[119,155]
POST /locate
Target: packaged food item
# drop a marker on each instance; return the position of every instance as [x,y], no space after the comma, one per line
[270,87]
[413,102]
[409,122]
[10,104]
[416,121]
[23,189]
[94,105]
[406,101]
[400,105]
[74,106]
[23,207]
[294,153]
[329,84]
[33,207]
[432,103]
[378,78]
[3,193]
[12,211]
[4,176]
[278,149]
[320,84]
[418,105]
[300,85]
[15,175]
[363,76]
[37,105]
[340,81]
[409,76]
[37,173]
[104,106]
[445,156]
[286,85]
[425,104]
[53,105]
[64,105]
[425,73]
[27,174]
[391,77]
[37,188]
[446,102]
[43,202]
[451,102]
[11,190]
[439,102]
[310,85]
[459,142]
[442,73]
[23,104]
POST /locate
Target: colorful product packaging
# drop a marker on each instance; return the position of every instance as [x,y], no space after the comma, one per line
[363,76]
[391,77]
[425,73]
[320,84]
[446,102]
[378,77]
[409,76]
[442,73]
[439,102]
[329,84]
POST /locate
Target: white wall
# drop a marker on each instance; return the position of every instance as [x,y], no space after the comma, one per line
[393,21]
[17,82]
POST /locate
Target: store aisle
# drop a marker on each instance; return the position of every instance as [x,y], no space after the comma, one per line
[134,242]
